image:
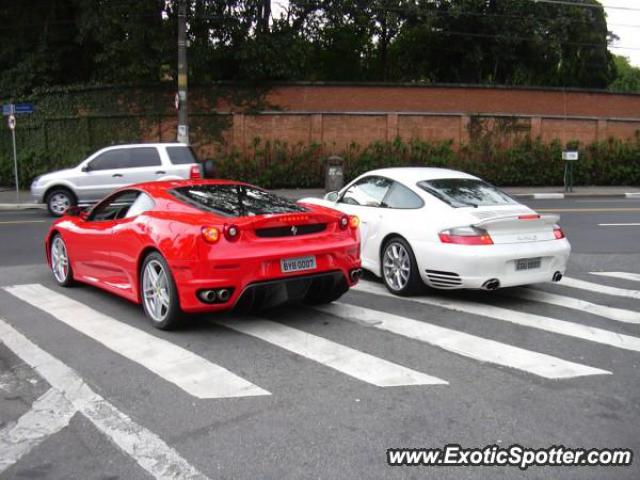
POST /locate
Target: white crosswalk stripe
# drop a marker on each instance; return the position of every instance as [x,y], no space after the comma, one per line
[634,277]
[349,361]
[192,373]
[540,322]
[471,346]
[598,288]
[612,313]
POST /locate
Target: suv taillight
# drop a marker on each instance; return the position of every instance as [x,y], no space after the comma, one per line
[195,173]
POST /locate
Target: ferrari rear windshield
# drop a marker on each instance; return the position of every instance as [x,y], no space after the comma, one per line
[466,192]
[235,200]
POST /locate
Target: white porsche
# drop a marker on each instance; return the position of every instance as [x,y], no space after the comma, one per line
[449,230]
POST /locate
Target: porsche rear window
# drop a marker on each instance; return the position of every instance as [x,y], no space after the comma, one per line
[235,200]
[466,192]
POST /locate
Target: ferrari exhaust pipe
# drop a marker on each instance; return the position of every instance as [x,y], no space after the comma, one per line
[224,294]
[492,284]
[208,296]
[557,277]
[355,274]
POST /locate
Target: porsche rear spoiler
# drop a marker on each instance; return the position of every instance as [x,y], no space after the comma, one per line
[518,220]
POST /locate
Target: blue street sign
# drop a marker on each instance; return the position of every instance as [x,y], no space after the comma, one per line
[10,108]
[24,108]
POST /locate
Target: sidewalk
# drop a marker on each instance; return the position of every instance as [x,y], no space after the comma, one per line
[8,196]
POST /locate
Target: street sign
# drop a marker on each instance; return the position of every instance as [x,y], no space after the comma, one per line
[24,108]
[570,155]
[11,122]
[18,108]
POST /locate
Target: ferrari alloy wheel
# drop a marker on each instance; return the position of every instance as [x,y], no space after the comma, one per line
[399,268]
[159,295]
[60,262]
[59,201]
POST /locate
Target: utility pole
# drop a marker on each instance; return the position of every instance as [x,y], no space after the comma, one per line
[181,100]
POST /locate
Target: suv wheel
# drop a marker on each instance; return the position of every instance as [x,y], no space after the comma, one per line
[59,200]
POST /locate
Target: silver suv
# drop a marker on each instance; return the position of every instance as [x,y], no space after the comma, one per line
[111,168]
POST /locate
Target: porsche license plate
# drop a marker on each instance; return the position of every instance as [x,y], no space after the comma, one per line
[297,264]
[528,263]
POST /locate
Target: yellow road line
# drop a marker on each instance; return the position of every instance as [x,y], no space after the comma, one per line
[13,222]
[587,210]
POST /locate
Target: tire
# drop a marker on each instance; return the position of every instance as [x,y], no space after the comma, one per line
[59,200]
[60,264]
[399,268]
[162,306]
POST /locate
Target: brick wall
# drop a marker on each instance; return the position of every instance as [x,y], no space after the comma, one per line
[337,115]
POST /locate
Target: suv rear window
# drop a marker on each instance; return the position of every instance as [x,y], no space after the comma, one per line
[466,192]
[235,200]
[181,155]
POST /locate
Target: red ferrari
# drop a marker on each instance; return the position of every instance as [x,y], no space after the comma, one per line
[204,246]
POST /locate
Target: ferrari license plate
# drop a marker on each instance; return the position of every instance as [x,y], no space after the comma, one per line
[528,263]
[297,264]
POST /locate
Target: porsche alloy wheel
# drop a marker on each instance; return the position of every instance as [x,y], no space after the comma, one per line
[60,262]
[159,296]
[399,268]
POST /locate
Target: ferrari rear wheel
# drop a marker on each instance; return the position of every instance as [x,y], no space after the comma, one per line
[159,293]
[60,265]
[399,268]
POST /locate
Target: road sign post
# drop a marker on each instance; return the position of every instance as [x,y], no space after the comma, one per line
[11,110]
[569,157]
[12,126]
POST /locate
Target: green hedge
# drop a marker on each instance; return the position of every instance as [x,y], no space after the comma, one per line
[525,163]
[280,165]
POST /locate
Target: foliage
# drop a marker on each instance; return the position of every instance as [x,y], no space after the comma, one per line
[65,42]
[628,78]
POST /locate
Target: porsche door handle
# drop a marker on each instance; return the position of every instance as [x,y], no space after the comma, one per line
[117,175]
[160,172]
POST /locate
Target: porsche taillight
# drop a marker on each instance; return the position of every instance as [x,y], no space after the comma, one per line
[210,234]
[466,236]
[194,172]
[557,232]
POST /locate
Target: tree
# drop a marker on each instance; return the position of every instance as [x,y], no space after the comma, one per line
[628,78]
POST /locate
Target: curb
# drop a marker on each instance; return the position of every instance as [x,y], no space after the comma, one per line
[22,206]
[560,196]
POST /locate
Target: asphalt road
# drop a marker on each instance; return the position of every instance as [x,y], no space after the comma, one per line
[573,380]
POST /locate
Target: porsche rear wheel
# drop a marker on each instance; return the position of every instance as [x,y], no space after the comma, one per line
[159,293]
[399,268]
[60,265]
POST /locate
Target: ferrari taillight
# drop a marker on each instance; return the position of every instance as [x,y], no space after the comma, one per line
[354,222]
[210,234]
[194,173]
[466,236]
[557,231]
[343,222]
[231,232]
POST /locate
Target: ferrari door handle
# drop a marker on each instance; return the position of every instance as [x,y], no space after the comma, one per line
[117,175]
[160,172]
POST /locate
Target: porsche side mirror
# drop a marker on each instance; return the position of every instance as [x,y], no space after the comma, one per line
[331,196]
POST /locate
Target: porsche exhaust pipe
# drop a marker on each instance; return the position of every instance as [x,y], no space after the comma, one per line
[492,284]
[224,294]
[557,277]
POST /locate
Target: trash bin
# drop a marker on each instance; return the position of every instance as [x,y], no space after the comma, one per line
[334,174]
